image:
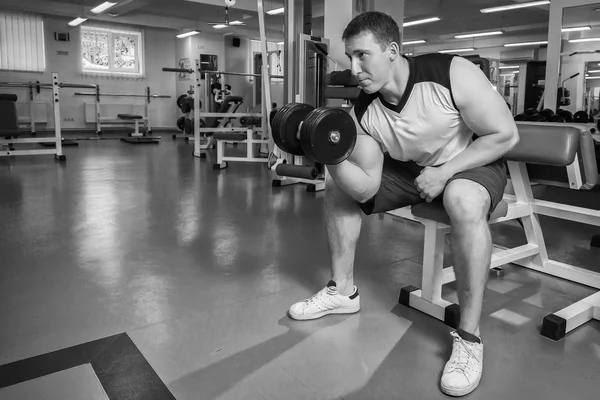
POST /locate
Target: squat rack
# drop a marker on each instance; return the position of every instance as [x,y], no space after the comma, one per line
[55,86]
[96,93]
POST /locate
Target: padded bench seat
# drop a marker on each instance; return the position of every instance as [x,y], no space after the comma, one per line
[129,116]
[435,211]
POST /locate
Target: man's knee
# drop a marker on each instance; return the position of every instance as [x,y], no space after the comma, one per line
[466,202]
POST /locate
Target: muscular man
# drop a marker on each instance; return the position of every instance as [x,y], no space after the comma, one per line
[416,119]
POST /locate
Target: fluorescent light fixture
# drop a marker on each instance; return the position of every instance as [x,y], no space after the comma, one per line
[413,42]
[526,43]
[456,50]
[514,73]
[593,70]
[280,43]
[593,77]
[508,66]
[276,11]
[576,28]
[186,34]
[219,26]
[471,35]
[103,7]
[236,23]
[514,6]
[591,39]
[421,21]
[408,54]
[77,21]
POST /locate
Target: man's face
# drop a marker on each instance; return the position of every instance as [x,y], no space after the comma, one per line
[369,63]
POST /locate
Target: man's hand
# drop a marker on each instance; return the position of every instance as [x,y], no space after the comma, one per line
[431,182]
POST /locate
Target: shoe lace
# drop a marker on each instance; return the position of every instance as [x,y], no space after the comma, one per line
[320,295]
[460,360]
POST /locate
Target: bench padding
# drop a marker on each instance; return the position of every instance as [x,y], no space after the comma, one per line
[129,116]
[435,211]
[546,143]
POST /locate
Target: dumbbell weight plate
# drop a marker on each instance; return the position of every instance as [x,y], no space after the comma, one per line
[181,123]
[328,135]
[285,127]
[189,126]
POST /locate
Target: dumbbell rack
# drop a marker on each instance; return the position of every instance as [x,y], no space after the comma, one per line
[186,135]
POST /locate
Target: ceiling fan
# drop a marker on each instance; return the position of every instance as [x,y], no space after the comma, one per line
[227,23]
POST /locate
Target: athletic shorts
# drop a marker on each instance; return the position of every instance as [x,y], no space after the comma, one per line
[398,187]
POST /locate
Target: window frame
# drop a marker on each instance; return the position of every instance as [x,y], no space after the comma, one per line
[112,33]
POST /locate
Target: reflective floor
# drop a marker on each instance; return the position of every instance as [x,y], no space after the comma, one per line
[198,267]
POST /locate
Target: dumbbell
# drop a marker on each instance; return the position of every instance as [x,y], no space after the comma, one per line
[327,135]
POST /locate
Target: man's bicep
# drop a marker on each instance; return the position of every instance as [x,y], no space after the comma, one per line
[482,108]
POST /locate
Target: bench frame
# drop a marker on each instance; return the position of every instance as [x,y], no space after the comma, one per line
[533,255]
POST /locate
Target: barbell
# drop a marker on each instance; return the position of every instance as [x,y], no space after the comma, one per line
[327,135]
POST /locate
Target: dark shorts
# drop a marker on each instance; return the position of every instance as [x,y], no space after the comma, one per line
[398,189]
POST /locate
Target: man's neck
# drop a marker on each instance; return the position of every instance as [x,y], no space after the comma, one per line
[394,90]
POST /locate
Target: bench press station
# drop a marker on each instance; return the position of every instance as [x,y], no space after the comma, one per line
[543,148]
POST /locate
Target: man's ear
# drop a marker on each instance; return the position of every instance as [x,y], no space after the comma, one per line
[394,51]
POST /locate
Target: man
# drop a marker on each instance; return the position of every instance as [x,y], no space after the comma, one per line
[416,118]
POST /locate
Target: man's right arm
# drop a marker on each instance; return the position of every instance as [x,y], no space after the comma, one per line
[360,174]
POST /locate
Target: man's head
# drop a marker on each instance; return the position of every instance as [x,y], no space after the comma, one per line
[372,41]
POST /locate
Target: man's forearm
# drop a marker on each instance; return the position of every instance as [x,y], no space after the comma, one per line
[482,151]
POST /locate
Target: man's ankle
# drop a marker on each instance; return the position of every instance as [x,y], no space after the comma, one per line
[344,287]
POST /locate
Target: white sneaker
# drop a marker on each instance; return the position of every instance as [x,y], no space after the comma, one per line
[462,372]
[326,301]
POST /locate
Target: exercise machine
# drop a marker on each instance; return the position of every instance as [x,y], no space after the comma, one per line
[9,132]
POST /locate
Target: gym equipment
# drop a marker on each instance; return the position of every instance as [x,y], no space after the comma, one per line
[148,96]
[136,136]
[581,117]
[568,147]
[297,171]
[567,115]
[327,135]
[186,103]
[11,126]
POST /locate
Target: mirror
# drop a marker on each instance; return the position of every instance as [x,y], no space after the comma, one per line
[580,58]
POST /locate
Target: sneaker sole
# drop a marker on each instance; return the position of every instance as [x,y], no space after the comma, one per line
[304,317]
[460,392]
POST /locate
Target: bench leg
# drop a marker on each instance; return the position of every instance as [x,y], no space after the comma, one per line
[428,299]
[137,129]
[556,326]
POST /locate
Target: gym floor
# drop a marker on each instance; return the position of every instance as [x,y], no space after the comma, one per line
[140,272]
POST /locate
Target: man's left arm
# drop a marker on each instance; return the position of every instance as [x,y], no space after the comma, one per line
[485,112]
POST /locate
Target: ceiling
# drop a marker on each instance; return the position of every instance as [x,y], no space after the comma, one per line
[457,16]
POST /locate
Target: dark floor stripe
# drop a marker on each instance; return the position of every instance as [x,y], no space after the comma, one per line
[125,374]
[122,369]
[49,363]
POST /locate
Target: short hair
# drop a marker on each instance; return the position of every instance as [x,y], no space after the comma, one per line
[381,25]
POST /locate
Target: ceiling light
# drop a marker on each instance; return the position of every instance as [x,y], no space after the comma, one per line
[102,7]
[276,11]
[236,23]
[514,6]
[413,42]
[470,35]
[525,43]
[421,21]
[593,77]
[591,39]
[219,26]
[577,28]
[186,34]
[508,66]
[77,21]
[594,70]
[456,50]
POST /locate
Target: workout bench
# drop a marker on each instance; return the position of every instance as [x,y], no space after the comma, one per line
[136,137]
[552,154]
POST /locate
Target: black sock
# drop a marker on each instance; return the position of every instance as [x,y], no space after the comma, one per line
[468,336]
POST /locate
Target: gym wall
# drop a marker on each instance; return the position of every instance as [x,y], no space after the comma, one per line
[159,52]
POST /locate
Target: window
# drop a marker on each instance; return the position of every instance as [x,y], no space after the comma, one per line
[22,42]
[275,58]
[111,51]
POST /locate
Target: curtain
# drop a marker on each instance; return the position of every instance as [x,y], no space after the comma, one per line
[22,42]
